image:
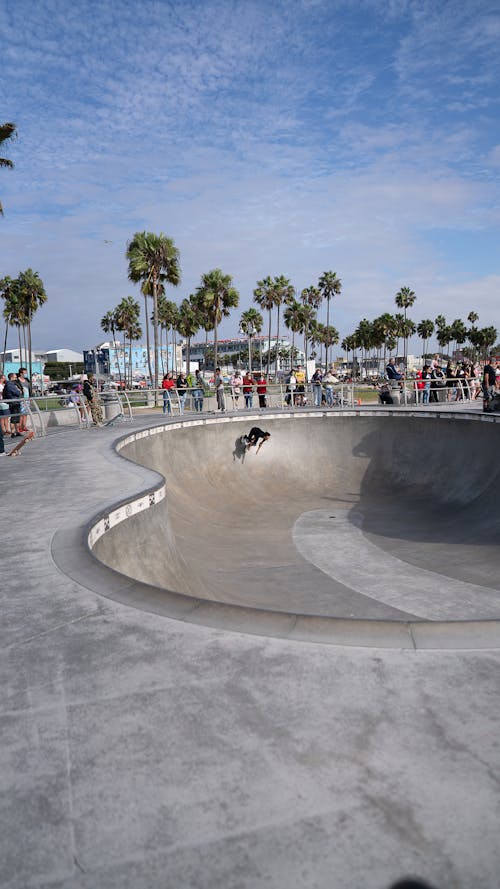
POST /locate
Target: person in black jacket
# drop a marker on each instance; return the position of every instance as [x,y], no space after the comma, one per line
[12,391]
[489,376]
[255,435]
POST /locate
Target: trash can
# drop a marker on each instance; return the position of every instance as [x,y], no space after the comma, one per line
[111,405]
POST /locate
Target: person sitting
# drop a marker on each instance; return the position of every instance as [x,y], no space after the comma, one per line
[384,394]
[392,373]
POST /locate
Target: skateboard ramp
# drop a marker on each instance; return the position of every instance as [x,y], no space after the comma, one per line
[357,516]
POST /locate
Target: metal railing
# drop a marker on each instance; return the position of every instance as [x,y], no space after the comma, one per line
[51,412]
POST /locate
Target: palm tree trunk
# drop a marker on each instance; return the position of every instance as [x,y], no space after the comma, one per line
[327,326]
[277,345]
[147,339]
[5,344]
[155,326]
[30,364]
[269,346]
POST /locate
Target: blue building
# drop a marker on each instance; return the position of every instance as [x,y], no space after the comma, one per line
[114,361]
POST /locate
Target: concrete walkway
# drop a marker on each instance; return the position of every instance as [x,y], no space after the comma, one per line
[139,751]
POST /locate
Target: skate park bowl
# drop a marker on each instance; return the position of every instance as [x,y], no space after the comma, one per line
[370,528]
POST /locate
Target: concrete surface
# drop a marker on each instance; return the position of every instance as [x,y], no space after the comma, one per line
[341,515]
[142,751]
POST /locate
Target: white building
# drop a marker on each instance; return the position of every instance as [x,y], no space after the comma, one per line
[63,355]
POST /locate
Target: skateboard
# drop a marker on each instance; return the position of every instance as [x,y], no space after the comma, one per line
[15,450]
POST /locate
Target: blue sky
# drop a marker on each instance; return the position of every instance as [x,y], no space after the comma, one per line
[265,138]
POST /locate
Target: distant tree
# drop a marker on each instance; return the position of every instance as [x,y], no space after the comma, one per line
[32,295]
[283,290]
[264,297]
[108,325]
[425,329]
[127,314]
[168,316]
[251,323]
[293,316]
[189,323]
[404,299]
[444,337]
[311,299]
[329,286]
[153,260]
[9,292]
[217,297]
[7,131]
[458,332]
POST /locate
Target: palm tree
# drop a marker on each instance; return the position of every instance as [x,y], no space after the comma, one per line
[251,323]
[153,260]
[444,336]
[458,332]
[189,323]
[350,344]
[9,294]
[283,291]
[264,297]
[108,325]
[405,297]
[293,316]
[364,338]
[32,295]
[168,316]
[216,296]
[7,131]
[329,286]
[310,300]
[425,329]
[127,315]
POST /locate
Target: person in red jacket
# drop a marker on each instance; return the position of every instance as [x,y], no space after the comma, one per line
[248,383]
[167,384]
[262,390]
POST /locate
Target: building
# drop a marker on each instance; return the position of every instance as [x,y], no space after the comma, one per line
[234,352]
[118,361]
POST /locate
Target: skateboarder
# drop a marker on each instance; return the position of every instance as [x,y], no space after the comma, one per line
[255,435]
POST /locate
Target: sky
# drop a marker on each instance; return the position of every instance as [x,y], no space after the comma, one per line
[289,137]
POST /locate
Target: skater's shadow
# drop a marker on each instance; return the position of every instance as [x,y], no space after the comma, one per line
[240,449]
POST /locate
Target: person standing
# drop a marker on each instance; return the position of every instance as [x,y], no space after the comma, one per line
[248,384]
[167,384]
[219,390]
[317,388]
[262,390]
[24,385]
[236,384]
[329,380]
[4,408]
[489,377]
[91,393]
[426,378]
[199,391]
[182,388]
[300,377]
[12,394]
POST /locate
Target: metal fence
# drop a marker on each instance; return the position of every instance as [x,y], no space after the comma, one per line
[53,412]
